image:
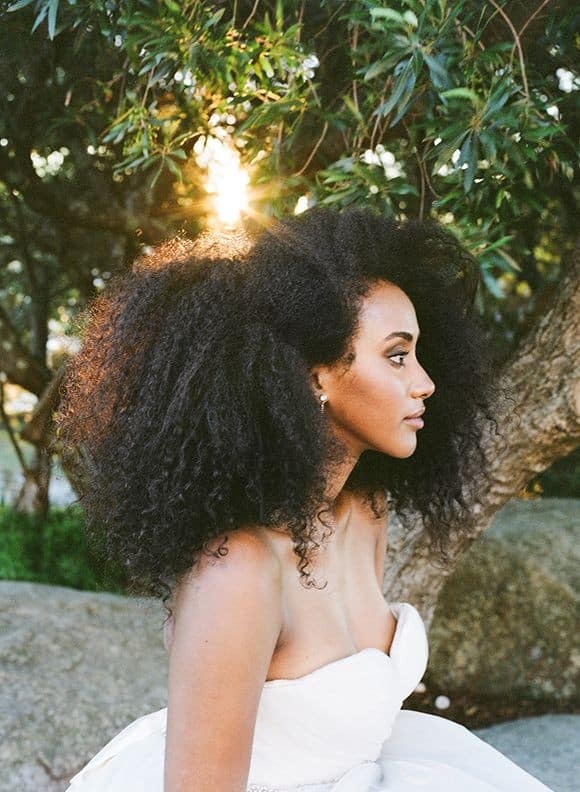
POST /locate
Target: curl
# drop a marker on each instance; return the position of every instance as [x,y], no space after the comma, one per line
[190,395]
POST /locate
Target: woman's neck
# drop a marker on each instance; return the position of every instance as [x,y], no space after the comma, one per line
[336,495]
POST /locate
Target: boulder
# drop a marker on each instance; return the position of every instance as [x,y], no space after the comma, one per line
[506,623]
[75,668]
[548,747]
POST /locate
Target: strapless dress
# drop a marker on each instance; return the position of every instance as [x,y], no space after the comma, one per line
[339,728]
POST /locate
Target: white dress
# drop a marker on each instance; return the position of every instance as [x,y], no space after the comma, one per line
[339,728]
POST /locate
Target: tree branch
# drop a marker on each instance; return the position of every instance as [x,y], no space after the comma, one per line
[518,44]
[19,365]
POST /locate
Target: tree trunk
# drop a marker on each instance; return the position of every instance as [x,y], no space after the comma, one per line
[540,424]
[33,495]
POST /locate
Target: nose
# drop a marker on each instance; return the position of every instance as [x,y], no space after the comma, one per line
[424,385]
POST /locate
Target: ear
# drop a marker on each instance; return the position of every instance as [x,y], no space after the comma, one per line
[317,379]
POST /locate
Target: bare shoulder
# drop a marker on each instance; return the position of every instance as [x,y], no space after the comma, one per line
[240,559]
[228,619]
[243,546]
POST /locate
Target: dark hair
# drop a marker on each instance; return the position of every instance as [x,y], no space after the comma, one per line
[190,395]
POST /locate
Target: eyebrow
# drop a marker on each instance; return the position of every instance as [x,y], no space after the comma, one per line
[400,334]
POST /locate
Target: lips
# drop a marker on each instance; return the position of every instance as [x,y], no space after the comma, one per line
[418,414]
[416,423]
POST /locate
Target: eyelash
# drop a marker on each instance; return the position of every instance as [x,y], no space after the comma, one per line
[398,354]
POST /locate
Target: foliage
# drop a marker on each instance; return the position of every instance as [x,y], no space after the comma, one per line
[53,551]
[461,110]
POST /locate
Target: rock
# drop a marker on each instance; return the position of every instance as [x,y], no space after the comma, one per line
[506,623]
[75,668]
[548,747]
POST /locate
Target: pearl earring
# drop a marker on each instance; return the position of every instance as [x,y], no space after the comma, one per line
[323,400]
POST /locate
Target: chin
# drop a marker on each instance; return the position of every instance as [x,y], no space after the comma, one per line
[402,452]
[405,454]
[407,449]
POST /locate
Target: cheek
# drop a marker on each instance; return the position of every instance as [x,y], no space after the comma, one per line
[379,385]
[368,407]
[372,396]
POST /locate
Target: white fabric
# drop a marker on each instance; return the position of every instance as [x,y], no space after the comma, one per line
[339,728]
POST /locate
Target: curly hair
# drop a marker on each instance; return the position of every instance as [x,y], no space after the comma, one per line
[190,394]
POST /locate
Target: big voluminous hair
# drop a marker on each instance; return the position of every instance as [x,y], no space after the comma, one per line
[190,401]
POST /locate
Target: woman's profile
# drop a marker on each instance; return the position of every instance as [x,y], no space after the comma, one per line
[250,421]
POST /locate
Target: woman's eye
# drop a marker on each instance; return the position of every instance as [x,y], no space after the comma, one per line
[399,355]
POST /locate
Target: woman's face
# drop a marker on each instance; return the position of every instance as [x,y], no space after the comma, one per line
[369,401]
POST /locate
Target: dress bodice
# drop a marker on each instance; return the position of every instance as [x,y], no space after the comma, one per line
[314,728]
[339,728]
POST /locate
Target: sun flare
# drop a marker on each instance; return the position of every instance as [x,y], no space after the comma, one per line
[227,181]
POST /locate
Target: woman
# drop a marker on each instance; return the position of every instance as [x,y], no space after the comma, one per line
[245,418]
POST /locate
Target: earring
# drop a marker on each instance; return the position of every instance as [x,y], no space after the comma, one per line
[323,400]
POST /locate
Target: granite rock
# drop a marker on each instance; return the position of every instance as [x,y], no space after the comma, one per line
[548,747]
[506,623]
[75,668]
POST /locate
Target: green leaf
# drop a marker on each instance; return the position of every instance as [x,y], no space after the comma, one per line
[539,133]
[116,133]
[40,17]
[258,70]
[266,66]
[20,4]
[439,76]
[131,162]
[469,157]
[279,15]
[462,93]
[451,196]
[375,69]
[398,91]
[174,168]
[497,100]
[489,145]
[156,175]
[405,189]
[406,99]
[445,149]
[52,13]
[499,242]
[333,177]
[214,19]
[387,13]
[511,261]
[353,108]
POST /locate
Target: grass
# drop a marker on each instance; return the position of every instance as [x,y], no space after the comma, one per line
[54,551]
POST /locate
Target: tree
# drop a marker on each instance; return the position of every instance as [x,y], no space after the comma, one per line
[463,111]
